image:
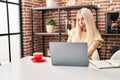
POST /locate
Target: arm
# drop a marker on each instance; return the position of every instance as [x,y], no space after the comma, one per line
[93,47]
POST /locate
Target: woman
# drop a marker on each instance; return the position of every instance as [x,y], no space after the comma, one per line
[85,31]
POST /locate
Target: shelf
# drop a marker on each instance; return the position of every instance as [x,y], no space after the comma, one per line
[110,34]
[50,34]
[65,34]
[45,8]
[59,34]
[78,7]
[64,7]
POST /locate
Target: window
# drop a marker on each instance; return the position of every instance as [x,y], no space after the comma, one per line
[10,31]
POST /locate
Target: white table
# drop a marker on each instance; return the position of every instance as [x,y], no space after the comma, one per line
[25,69]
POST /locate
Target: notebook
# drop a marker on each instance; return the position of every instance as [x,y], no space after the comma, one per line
[68,54]
[102,64]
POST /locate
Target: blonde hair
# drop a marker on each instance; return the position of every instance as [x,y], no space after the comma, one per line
[89,23]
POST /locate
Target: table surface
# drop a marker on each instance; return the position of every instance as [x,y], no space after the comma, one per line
[25,69]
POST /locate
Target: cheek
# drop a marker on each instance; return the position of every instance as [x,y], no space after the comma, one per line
[81,23]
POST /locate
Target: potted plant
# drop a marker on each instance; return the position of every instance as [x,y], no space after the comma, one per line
[50,24]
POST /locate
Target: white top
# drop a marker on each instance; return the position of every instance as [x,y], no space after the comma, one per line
[83,38]
[25,69]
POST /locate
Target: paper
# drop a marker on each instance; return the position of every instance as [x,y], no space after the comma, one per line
[101,64]
[114,62]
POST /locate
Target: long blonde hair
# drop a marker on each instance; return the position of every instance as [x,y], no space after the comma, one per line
[89,23]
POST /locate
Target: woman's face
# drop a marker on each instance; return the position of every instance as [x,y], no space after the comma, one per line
[81,22]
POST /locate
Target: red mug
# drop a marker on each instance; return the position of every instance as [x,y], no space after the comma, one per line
[38,57]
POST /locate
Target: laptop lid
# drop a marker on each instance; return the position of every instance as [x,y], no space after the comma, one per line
[69,54]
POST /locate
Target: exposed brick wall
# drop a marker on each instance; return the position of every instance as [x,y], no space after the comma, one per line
[27,5]
[104,6]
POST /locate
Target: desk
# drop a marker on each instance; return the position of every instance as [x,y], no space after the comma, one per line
[25,69]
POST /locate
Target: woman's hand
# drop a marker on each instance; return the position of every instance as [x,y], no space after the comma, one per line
[69,39]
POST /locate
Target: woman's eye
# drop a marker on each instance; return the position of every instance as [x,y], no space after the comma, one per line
[78,19]
[82,19]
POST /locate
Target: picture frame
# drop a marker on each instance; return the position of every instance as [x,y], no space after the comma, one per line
[71,2]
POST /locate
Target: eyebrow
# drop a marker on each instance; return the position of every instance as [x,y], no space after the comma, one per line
[82,18]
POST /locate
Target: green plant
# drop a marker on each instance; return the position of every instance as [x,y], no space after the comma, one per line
[50,22]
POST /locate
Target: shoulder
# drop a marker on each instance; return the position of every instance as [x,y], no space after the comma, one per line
[98,36]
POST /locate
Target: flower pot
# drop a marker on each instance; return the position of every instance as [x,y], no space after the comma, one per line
[50,28]
[50,3]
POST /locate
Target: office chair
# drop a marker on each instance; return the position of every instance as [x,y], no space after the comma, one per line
[116,55]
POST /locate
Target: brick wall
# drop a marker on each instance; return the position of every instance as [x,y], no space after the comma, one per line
[104,6]
[27,5]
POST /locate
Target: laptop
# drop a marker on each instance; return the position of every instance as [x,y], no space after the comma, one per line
[69,54]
